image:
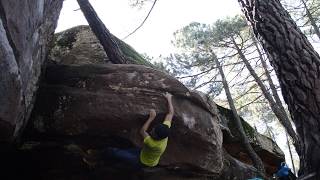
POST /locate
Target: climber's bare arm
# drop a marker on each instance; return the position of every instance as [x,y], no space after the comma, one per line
[170,113]
[143,130]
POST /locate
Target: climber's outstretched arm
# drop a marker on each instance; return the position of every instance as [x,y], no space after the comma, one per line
[143,130]
[170,113]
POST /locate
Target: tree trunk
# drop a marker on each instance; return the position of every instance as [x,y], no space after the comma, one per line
[280,114]
[245,141]
[99,29]
[311,18]
[297,66]
[269,131]
[265,67]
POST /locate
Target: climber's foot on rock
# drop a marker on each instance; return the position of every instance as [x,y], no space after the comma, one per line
[90,158]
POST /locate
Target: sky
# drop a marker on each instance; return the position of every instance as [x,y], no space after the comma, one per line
[155,36]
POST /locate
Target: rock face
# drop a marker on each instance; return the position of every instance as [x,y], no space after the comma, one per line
[99,100]
[79,45]
[236,170]
[26,28]
[94,106]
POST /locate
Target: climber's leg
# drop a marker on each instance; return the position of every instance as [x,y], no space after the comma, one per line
[130,156]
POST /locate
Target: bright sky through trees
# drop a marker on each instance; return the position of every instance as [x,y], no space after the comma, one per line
[156,34]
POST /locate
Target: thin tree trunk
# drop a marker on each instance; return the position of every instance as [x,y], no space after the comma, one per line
[275,94]
[265,67]
[105,37]
[297,66]
[280,114]
[312,20]
[270,133]
[245,141]
[290,152]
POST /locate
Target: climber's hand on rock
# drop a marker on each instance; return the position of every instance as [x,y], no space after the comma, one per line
[167,95]
[152,113]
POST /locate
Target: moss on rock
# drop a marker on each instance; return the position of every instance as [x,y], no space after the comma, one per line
[228,120]
[65,39]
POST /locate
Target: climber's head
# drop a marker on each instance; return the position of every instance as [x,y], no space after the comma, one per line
[160,131]
[282,165]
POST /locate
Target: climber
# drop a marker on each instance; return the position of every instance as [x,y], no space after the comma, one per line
[284,172]
[154,144]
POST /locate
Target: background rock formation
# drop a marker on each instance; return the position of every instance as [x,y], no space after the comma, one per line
[26,28]
[268,150]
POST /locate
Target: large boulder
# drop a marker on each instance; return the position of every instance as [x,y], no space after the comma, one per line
[26,28]
[114,100]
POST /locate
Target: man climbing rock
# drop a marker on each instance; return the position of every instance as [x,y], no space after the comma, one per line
[154,144]
[284,172]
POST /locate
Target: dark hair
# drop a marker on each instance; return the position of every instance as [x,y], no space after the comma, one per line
[161,131]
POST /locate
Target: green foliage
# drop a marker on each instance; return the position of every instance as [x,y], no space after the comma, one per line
[197,35]
[200,44]
[193,35]
[66,38]
[229,27]
[134,56]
